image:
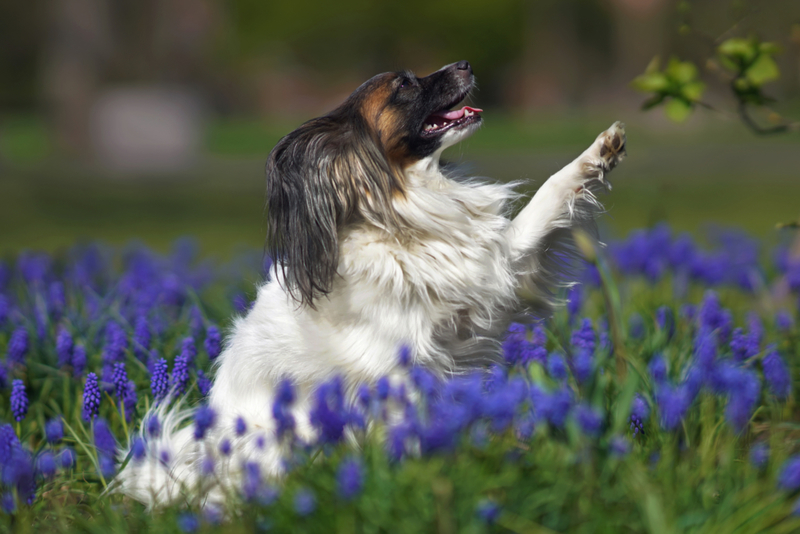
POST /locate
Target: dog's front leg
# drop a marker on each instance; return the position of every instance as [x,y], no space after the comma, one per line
[565,201]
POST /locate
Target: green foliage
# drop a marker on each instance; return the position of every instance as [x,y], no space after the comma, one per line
[752,65]
[677,86]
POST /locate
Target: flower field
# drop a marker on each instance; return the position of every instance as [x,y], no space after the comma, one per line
[660,399]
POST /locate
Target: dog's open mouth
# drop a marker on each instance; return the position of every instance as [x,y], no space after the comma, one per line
[441,121]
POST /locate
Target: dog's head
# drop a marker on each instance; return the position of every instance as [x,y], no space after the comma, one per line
[350,164]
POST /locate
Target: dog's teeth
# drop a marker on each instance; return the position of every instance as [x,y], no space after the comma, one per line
[467,113]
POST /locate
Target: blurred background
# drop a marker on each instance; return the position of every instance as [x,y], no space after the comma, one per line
[152,119]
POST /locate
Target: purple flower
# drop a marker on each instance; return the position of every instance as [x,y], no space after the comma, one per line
[589,419]
[159,380]
[91,397]
[382,388]
[188,350]
[116,343]
[640,411]
[328,414]
[129,399]
[240,426]
[138,450]
[619,446]
[304,502]
[141,337]
[67,458]
[582,365]
[203,383]
[19,400]
[47,464]
[673,403]
[636,326]
[713,317]
[658,369]
[104,439]
[57,300]
[405,357]
[350,478]
[153,426]
[759,455]
[78,360]
[783,321]
[789,479]
[583,337]
[554,406]
[515,343]
[574,301]
[281,409]
[204,419]
[5,309]
[488,511]
[188,522]
[213,342]
[744,394]
[18,346]
[8,503]
[744,346]
[776,373]
[665,320]
[180,373]
[225,447]
[120,380]
[54,430]
[64,346]
[556,366]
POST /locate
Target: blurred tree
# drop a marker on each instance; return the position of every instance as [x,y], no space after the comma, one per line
[737,56]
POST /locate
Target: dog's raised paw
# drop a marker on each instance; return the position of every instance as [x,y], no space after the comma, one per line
[604,154]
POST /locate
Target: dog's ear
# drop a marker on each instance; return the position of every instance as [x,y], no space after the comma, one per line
[305,208]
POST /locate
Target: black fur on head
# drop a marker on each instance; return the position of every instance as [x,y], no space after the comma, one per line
[348,166]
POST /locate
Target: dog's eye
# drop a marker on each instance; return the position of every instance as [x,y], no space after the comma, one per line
[404,83]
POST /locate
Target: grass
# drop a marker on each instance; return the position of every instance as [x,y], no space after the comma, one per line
[532,472]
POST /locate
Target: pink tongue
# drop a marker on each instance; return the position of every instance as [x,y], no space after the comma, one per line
[457,113]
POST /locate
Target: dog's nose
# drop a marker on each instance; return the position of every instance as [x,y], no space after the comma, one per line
[463,65]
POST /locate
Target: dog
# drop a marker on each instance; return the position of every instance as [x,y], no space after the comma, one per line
[377,246]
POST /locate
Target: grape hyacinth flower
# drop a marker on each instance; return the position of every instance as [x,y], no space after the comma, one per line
[556,366]
[350,478]
[619,446]
[180,373]
[54,430]
[304,502]
[104,439]
[582,365]
[64,345]
[759,455]
[47,464]
[19,400]
[116,343]
[91,397]
[640,411]
[18,346]
[281,410]
[141,337]
[665,320]
[658,369]
[138,449]
[589,420]
[673,403]
[783,321]
[67,458]
[204,419]
[78,360]
[120,380]
[203,383]
[240,427]
[789,479]
[776,373]
[189,349]
[328,414]
[159,380]
[213,342]
[153,427]
[488,510]
[188,522]
[583,337]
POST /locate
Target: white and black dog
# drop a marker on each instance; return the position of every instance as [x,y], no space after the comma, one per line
[376,247]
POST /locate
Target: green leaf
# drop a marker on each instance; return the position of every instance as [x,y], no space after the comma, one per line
[681,71]
[763,70]
[678,110]
[692,91]
[738,48]
[653,82]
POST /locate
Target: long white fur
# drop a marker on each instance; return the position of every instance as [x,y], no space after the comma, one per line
[446,286]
